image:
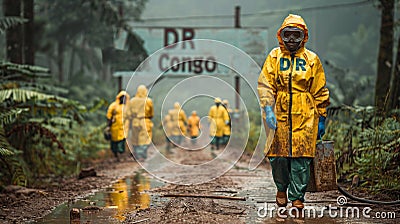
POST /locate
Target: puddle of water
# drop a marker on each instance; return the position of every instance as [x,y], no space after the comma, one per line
[127,194]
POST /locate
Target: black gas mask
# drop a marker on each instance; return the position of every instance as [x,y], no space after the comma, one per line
[122,99]
[292,38]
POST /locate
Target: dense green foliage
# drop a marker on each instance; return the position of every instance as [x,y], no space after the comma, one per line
[367,146]
[41,133]
[49,130]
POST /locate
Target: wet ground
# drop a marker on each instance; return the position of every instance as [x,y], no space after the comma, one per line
[126,193]
[109,204]
[257,190]
[22,205]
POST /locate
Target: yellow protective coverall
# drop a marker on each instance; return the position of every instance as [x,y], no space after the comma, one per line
[138,116]
[296,87]
[167,124]
[227,128]
[179,120]
[114,113]
[194,125]
[220,117]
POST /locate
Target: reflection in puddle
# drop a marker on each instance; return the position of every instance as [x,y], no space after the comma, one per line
[109,205]
[130,198]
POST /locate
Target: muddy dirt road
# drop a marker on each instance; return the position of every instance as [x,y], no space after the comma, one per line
[21,205]
[246,197]
[126,193]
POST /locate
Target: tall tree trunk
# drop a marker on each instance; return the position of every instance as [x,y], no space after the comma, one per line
[385,57]
[60,61]
[14,41]
[394,92]
[29,53]
[71,64]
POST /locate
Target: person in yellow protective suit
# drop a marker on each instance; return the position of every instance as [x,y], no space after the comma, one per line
[168,126]
[218,118]
[179,121]
[227,128]
[293,95]
[114,118]
[138,115]
[194,126]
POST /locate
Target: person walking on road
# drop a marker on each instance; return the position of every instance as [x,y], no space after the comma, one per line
[218,118]
[168,126]
[194,126]
[138,115]
[179,122]
[115,123]
[293,95]
[227,128]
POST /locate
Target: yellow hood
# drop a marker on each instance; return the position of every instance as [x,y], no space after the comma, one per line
[141,91]
[122,93]
[294,21]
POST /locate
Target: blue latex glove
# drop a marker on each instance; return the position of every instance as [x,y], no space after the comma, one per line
[270,117]
[321,127]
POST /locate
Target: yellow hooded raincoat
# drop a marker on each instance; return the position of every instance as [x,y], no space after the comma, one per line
[179,120]
[194,124]
[220,116]
[167,124]
[227,128]
[138,116]
[296,87]
[114,112]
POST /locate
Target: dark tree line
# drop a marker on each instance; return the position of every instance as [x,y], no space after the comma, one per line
[75,31]
[69,35]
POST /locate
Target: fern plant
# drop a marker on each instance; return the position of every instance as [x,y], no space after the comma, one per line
[31,123]
[10,21]
[367,146]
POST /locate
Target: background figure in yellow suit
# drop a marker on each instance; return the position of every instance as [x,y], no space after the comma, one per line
[179,121]
[227,128]
[114,118]
[218,118]
[168,126]
[194,126]
[293,95]
[138,115]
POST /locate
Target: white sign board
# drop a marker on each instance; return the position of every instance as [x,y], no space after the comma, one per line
[177,51]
